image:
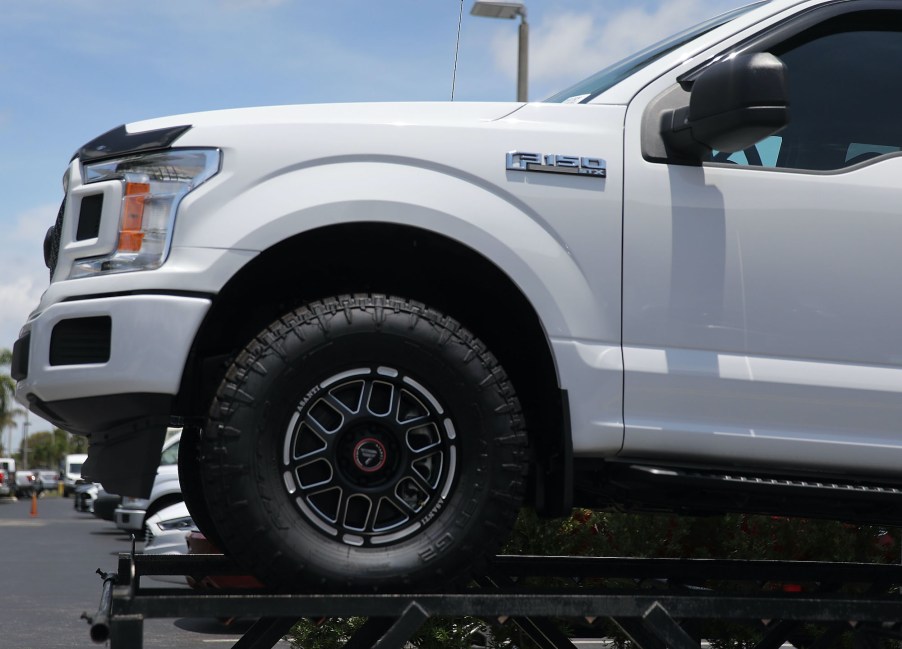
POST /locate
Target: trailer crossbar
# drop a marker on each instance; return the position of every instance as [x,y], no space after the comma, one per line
[656,603]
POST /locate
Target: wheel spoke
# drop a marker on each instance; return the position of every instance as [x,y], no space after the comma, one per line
[324,418]
[357,513]
[409,410]
[368,456]
[388,516]
[411,495]
[308,442]
[327,502]
[427,471]
[379,398]
[316,473]
[348,397]
[423,439]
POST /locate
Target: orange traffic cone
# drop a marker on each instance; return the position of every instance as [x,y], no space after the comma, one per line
[34,504]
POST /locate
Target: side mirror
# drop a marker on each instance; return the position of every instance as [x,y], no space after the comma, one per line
[733,104]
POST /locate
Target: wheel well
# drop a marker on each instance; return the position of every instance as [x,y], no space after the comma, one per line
[412,263]
[161,503]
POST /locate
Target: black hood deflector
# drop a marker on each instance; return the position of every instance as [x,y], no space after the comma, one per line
[119,142]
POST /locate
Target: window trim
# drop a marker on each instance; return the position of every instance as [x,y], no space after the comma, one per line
[788,28]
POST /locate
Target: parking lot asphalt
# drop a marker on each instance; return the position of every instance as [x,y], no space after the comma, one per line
[48,578]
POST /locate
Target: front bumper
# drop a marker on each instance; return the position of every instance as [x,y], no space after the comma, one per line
[87,365]
[130,519]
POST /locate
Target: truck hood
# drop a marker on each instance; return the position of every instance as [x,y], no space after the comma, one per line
[416,113]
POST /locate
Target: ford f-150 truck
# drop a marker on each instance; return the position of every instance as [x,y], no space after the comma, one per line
[674,286]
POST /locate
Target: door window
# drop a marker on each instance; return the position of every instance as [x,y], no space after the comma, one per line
[845,91]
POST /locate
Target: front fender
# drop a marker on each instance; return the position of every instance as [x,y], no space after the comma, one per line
[490,221]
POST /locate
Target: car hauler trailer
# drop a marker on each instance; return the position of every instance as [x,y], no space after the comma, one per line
[656,603]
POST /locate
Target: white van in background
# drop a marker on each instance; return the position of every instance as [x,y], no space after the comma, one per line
[72,472]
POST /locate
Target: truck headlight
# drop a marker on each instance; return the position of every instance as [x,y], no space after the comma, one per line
[153,185]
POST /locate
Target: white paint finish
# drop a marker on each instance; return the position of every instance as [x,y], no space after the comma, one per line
[592,374]
[439,167]
[765,262]
[196,270]
[556,236]
[151,336]
[704,406]
[108,235]
[761,312]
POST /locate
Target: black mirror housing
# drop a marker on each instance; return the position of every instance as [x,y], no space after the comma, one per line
[733,104]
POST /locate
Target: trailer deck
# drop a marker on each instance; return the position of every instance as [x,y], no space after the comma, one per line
[656,603]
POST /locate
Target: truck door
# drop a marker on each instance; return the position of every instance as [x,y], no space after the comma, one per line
[762,299]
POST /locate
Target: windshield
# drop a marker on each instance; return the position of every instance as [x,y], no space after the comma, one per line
[600,81]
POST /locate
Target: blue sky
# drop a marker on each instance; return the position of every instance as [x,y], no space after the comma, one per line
[72,69]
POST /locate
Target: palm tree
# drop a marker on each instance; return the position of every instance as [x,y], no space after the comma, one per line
[8,412]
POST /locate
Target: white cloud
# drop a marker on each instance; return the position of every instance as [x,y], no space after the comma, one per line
[23,275]
[32,225]
[18,297]
[571,46]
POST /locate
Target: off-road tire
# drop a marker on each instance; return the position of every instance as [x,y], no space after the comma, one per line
[364,442]
[190,480]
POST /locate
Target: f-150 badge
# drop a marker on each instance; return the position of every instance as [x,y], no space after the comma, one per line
[557,164]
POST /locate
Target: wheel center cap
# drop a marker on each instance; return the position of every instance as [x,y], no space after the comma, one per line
[369,455]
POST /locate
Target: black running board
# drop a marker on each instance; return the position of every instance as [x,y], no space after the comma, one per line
[645,487]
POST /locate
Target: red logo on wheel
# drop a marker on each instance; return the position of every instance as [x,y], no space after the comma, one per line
[369,455]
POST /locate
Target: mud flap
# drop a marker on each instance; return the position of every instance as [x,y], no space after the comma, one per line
[125,459]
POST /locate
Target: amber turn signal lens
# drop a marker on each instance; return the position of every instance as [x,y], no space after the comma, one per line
[130,234]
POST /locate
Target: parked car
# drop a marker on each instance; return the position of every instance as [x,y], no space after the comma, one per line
[72,472]
[49,479]
[84,496]
[132,512]
[105,504]
[166,532]
[28,483]
[6,484]
[7,477]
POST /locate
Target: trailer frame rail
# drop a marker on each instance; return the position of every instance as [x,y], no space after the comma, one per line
[656,603]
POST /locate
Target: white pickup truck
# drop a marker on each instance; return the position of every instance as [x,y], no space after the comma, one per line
[674,286]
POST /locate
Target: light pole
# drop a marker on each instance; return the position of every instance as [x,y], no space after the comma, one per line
[25,426]
[511,10]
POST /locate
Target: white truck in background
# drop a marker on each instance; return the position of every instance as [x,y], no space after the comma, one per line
[72,465]
[673,286]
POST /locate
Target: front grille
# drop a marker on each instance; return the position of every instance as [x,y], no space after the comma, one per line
[52,240]
[80,341]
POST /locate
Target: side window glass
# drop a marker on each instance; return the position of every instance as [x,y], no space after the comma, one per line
[170,455]
[763,154]
[861,152]
[844,92]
